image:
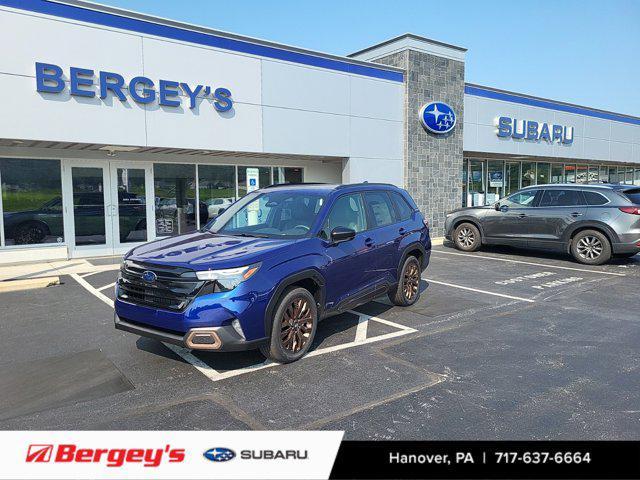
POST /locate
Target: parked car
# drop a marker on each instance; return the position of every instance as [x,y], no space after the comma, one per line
[264,272]
[592,222]
[214,205]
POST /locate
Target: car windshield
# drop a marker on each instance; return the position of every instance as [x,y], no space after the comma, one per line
[270,215]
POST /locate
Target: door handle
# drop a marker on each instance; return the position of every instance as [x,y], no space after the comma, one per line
[522,215]
[402,231]
[576,214]
[369,242]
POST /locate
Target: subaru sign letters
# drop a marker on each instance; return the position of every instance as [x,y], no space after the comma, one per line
[438,117]
[533,131]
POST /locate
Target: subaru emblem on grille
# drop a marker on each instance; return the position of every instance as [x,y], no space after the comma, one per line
[149,276]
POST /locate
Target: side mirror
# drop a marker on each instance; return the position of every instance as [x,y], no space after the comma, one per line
[342,234]
[220,212]
[497,206]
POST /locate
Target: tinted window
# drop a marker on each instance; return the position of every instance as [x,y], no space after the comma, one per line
[380,209]
[561,198]
[520,199]
[404,209]
[633,195]
[594,198]
[348,212]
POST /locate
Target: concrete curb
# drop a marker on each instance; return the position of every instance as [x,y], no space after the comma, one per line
[28,284]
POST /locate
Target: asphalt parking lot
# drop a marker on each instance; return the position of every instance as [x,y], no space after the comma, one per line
[503,344]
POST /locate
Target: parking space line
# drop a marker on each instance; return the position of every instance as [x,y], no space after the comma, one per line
[479,291]
[529,263]
[106,286]
[214,375]
[361,329]
[91,289]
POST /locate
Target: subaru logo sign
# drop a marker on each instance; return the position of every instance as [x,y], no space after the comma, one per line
[438,117]
[149,276]
[219,454]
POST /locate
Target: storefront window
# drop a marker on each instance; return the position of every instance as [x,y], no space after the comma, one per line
[31,201]
[593,175]
[544,174]
[621,171]
[476,183]
[582,173]
[261,176]
[570,173]
[557,173]
[604,174]
[636,176]
[465,164]
[613,175]
[495,171]
[217,187]
[175,200]
[513,177]
[287,175]
[528,174]
[629,177]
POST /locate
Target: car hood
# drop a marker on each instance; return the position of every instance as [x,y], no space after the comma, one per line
[469,209]
[205,250]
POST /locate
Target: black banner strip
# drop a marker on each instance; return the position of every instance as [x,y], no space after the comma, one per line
[499,460]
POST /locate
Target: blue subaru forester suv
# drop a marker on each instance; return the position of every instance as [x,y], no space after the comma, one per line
[266,270]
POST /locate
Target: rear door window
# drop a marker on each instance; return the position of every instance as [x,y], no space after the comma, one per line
[380,209]
[561,198]
[403,208]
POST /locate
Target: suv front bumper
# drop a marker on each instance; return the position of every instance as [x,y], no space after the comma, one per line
[221,339]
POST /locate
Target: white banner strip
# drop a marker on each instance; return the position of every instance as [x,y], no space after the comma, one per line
[168,455]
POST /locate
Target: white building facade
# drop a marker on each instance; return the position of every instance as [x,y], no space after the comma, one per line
[120,128]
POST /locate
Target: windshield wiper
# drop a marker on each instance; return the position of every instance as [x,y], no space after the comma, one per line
[256,235]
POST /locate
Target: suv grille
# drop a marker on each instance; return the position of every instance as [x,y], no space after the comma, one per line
[173,289]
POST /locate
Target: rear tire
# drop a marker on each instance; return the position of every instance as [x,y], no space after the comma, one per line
[29,233]
[295,321]
[408,290]
[466,237]
[591,247]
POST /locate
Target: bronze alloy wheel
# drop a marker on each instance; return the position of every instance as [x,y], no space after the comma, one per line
[297,325]
[411,281]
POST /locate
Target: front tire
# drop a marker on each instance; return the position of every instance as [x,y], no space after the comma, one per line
[466,237]
[295,321]
[591,247]
[29,233]
[408,290]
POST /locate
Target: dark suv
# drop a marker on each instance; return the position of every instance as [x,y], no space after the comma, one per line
[592,222]
[267,269]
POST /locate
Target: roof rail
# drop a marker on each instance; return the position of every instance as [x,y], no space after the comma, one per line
[292,184]
[368,184]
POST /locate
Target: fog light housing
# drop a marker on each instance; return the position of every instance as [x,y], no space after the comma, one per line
[238,328]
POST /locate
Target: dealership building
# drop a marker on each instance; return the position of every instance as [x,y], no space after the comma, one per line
[119,128]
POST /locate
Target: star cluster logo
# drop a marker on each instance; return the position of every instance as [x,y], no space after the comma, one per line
[219,454]
[438,117]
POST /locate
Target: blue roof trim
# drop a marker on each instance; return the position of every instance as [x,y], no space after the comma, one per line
[96,17]
[550,104]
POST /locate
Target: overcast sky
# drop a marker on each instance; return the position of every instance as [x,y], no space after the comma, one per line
[585,52]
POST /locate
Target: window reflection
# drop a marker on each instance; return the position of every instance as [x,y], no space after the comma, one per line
[263,179]
[175,202]
[31,201]
[217,187]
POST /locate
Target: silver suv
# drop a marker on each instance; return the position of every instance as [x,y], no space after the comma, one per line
[592,222]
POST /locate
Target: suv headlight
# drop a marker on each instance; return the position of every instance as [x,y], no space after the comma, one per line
[229,278]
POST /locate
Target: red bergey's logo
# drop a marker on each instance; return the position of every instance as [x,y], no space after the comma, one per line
[111,457]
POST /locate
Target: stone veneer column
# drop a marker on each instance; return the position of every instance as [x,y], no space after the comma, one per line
[433,163]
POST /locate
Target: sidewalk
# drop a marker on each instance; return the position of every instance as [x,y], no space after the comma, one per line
[23,271]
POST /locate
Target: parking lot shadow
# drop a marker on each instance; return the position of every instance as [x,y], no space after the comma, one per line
[530,254]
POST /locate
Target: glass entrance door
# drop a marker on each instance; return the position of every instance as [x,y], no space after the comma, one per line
[108,205]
